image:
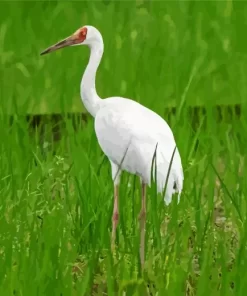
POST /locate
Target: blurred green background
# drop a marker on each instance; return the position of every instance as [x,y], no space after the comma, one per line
[157,52]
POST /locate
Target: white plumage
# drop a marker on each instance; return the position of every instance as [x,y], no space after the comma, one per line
[127,132]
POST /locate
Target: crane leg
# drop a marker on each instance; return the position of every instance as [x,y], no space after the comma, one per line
[142,219]
[115,217]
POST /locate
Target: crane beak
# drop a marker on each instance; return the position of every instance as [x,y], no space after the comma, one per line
[61,44]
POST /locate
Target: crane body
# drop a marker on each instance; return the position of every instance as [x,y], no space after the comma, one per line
[130,135]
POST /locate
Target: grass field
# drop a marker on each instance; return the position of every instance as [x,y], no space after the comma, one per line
[55,216]
[57,197]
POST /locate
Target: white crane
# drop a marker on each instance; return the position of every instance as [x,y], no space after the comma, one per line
[128,133]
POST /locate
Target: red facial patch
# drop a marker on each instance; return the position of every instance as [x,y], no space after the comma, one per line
[82,34]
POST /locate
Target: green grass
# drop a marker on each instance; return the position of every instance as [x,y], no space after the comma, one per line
[57,197]
[55,216]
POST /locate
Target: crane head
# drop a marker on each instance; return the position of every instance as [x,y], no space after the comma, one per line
[77,38]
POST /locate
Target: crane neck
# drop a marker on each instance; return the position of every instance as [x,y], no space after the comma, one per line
[89,96]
